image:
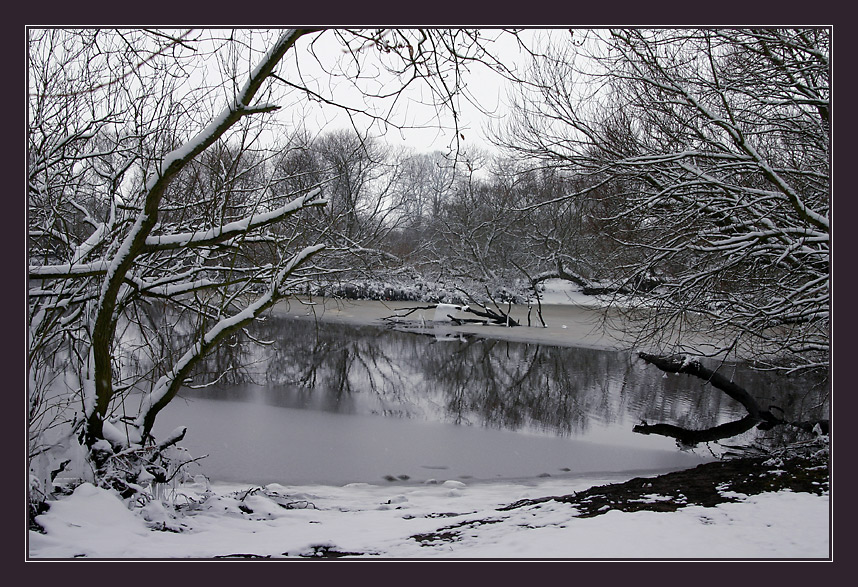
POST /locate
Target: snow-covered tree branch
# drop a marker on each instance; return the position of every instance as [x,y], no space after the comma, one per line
[121,225]
[706,152]
[169,206]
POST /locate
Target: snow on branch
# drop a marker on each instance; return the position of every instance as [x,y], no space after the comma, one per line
[227,231]
[168,385]
[238,108]
[68,270]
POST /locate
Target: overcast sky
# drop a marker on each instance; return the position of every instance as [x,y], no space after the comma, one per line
[486,88]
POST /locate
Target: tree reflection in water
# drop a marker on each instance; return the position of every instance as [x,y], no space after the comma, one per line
[506,385]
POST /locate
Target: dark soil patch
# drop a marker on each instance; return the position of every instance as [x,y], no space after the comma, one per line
[450,533]
[430,538]
[707,485]
[324,551]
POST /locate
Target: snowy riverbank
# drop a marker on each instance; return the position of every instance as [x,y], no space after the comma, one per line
[565,317]
[447,519]
[442,517]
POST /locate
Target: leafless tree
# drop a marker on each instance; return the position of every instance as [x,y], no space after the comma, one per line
[426,183]
[361,172]
[162,209]
[706,153]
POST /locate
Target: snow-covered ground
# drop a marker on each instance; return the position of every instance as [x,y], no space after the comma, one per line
[411,522]
[442,518]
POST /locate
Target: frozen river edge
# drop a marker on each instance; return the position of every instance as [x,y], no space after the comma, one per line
[566,324]
[757,509]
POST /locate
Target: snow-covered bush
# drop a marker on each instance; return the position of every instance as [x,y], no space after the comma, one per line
[415,288]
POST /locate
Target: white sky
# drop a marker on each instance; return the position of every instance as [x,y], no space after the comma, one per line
[487,88]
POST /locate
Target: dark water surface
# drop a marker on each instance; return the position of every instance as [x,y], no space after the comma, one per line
[334,403]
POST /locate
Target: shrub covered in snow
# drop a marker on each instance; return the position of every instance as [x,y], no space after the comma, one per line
[413,287]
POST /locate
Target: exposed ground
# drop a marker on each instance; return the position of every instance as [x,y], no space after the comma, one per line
[706,485]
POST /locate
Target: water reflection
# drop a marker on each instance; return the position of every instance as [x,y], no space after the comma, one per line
[335,403]
[559,391]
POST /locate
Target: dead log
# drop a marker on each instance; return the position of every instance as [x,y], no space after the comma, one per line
[693,437]
[495,317]
[683,364]
[464,321]
[764,419]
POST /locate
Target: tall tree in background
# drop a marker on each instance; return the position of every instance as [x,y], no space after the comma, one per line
[707,155]
[427,182]
[361,173]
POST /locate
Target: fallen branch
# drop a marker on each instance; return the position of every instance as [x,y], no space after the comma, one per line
[496,317]
[763,419]
[682,364]
[534,285]
[499,317]
[694,437]
[463,321]
[411,311]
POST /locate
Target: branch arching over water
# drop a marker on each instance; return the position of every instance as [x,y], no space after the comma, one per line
[763,418]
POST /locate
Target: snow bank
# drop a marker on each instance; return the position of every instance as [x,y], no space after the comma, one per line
[412,522]
[90,522]
[444,312]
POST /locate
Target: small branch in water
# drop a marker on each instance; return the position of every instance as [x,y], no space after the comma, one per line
[410,311]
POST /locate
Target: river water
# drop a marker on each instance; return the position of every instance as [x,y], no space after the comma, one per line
[340,403]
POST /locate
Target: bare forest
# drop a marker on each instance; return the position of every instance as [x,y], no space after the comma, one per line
[176,193]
